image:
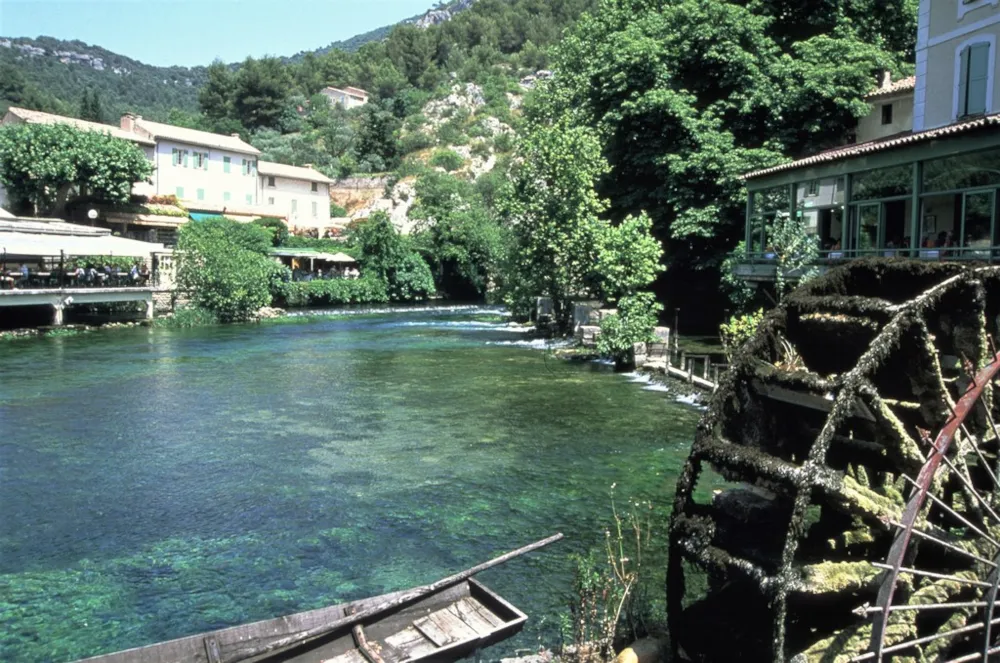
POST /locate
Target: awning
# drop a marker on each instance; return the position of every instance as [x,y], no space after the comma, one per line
[39,245]
[313,254]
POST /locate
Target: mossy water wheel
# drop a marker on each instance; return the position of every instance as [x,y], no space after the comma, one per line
[857,433]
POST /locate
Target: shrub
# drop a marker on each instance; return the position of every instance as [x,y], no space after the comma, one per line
[367,290]
[451,133]
[188,316]
[481,149]
[225,267]
[337,212]
[738,330]
[503,142]
[169,199]
[414,142]
[277,228]
[447,159]
[633,323]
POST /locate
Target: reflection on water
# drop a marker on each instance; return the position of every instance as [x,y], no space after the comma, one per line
[157,483]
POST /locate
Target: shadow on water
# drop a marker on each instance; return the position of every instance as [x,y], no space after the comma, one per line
[156,483]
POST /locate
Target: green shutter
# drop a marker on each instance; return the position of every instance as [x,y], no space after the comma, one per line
[225,164]
[201,194]
[185,153]
[180,192]
[979,73]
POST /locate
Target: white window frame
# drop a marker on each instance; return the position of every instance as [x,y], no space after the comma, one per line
[990,69]
[966,6]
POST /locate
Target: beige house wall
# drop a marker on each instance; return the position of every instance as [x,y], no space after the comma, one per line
[870,127]
[945,28]
[295,200]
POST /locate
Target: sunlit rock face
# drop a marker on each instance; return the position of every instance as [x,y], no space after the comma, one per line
[438,16]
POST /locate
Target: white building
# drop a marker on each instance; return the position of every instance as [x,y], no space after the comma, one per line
[16,115]
[300,195]
[349,97]
[892,110]
[197,166]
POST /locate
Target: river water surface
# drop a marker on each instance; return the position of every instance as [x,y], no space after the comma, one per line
[156,483]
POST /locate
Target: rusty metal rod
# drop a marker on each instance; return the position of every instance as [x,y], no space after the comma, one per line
[930,606]
[920,641]
[954,513]
[931,574]
[949,546]
[972,489]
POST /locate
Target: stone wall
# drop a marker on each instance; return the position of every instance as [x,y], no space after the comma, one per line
[163,302]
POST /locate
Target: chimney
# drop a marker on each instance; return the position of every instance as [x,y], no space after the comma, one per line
[129,120]
[234,135]
[886,79]
[307,165]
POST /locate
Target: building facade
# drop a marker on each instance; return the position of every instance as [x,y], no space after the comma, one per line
[349,97]
[892,110]
[299,195]
[928,192]
[199,167]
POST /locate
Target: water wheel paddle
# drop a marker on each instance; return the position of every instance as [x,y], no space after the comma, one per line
[857,433]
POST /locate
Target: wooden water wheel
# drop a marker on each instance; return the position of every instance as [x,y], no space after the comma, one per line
[857,439]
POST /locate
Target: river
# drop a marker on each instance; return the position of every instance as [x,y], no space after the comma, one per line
[156,482]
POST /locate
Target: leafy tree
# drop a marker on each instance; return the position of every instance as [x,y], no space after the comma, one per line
[450,160]
[738,330]
[260,93]
[277,227]
[688,95]
[42,166]
[552,210]
[388,255]
[377,141]
[90,107]
[795,252]
[411,50]
[461,241]
[217,95]
[225,268]
[628,257]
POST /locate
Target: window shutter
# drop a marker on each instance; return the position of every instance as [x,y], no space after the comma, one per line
[979,72]
[185,153]
[963,83]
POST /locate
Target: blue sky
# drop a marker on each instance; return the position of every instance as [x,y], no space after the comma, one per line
[195,32]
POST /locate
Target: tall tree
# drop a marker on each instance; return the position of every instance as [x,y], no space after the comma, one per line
[216,96]
[43,166]
[260,93]
[90,107]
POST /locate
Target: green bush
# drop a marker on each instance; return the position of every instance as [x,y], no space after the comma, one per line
[225,267]
[188,316]
[332,292]
[337,212]
[320,244]
[277,228]
[482,149]
[450,133]
[633,323]
[414,142]
[121,262]
[738,330]
[447,159]
[503,142]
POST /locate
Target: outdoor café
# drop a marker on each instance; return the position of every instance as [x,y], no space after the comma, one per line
[311,264]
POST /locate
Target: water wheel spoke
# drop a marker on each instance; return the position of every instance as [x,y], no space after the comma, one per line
[934,498]
[924,640]
[869,609]
[950,546]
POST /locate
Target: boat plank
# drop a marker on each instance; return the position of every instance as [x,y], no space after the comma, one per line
[411,642]
[472,605]
[472,619]
[445,628]
[350,656]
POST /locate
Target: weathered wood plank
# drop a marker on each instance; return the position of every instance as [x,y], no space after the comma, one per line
[471,617]
[482,611]
[453,625]
[350,656]
[433,632]
[411,642]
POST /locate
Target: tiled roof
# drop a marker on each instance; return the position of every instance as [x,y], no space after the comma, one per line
[902,85]
[881,145]
[38,117]
[291,172]
[195,137]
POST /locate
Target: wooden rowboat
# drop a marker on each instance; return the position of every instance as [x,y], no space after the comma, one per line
[443,621]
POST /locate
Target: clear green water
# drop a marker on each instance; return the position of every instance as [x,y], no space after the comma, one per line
[156,483]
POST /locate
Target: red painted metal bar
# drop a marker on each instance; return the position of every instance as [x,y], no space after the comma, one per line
[901,542]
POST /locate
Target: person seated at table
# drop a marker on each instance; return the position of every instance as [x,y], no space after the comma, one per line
[133,273]
[144,273]
[24,274]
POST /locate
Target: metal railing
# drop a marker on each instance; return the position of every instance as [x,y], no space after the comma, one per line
[62,272]
[989,254]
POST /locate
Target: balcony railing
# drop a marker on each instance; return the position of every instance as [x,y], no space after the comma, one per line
[56,278]
[988,254]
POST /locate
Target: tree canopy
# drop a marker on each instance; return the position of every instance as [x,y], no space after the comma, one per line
[44,166]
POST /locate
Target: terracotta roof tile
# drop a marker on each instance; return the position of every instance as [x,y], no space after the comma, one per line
[881,144]
[38,117]
[195,137]
[902,85]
